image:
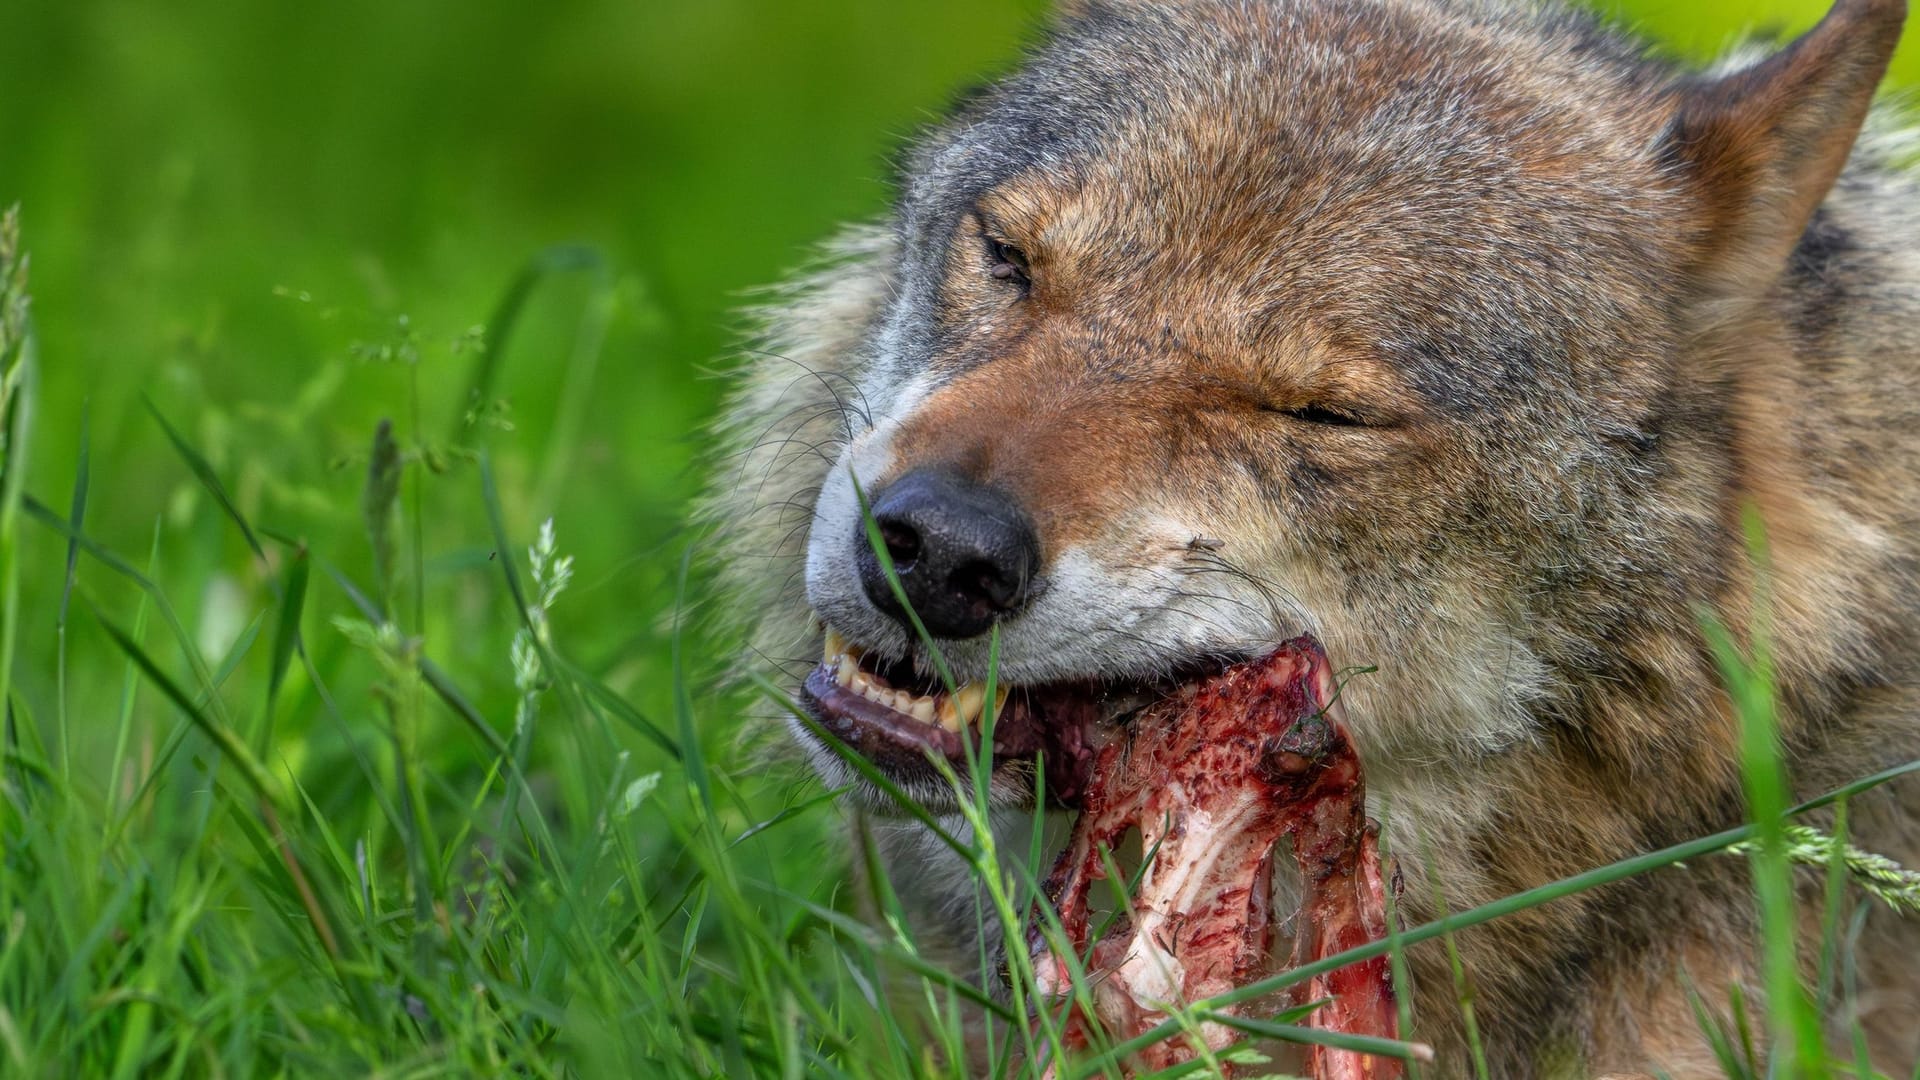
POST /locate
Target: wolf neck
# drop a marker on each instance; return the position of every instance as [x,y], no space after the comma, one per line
[1803,404]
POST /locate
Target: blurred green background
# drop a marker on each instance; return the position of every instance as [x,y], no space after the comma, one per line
[280,222]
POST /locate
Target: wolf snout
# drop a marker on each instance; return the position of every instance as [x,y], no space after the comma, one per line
[966,554]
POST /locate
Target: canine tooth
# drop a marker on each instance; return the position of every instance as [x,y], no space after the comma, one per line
[923,710]
[999,699]
[951,721]
[847,670]
[835,645]
[966,703]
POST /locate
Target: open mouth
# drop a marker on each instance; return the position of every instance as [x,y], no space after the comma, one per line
[894,716]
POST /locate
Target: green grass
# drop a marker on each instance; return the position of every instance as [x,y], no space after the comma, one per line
[316,759]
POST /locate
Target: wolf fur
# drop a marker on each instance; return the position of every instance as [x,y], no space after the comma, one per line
[1463,335]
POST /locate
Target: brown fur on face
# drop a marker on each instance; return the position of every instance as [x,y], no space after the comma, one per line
[1463,337]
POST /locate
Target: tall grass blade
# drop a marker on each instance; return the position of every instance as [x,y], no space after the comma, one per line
[129,691]
[1402,982]
[1462,984]
[694,760]
[1833,899]
[188,646]
[286,637]
[1312,1036]
[1713,1029]
[210,480]
[879,943]
[77,510]
[19,374]
[622,709]
[589,338]
[76,513]
[1794,1027]
[250,768]
[506,315]
[788,814]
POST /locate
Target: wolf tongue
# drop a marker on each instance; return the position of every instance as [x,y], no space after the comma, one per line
[1215,779]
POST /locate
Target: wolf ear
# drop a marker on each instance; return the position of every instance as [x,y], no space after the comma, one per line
[1763,146]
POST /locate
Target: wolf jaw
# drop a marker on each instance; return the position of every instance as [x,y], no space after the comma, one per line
[897,716]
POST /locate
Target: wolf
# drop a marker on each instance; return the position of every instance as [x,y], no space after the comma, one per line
[1466,335]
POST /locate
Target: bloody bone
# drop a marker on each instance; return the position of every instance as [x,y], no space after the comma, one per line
[1215,775]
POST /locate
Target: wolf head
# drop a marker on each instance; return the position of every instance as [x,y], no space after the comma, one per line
[1437,330]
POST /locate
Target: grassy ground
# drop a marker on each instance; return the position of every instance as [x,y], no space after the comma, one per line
[311,764]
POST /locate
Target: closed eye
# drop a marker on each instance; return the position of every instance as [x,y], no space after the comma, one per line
[1325,415]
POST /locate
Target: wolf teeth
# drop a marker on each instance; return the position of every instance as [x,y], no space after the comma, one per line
[963,709]
[955,712]
[835,645]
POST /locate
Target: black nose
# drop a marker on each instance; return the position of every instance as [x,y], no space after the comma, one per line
[965,553]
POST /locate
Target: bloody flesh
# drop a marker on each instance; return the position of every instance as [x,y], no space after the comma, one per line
[1214,777]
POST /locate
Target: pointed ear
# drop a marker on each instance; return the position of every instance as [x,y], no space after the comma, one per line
[1763,146]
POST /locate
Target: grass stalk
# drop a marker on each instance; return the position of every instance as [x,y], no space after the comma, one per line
[19,373]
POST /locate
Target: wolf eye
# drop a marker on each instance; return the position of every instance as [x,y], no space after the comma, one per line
[1007,263]
[1321,414]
